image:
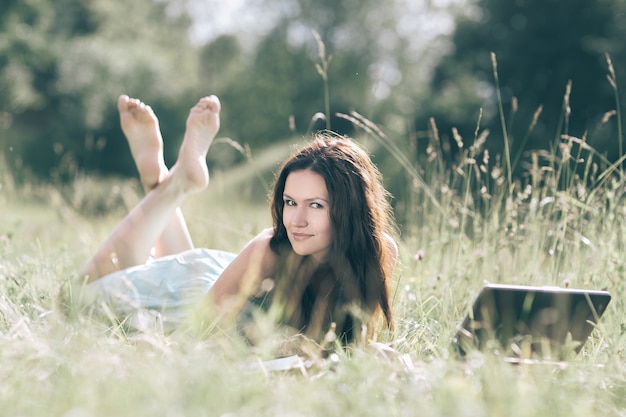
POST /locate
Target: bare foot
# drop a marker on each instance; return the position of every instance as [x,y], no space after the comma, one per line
[203,123]
[141,127]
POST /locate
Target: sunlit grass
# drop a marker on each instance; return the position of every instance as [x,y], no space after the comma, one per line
[460,226]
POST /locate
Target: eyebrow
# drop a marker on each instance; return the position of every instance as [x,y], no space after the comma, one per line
[306,199]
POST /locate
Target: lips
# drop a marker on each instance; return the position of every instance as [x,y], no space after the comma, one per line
[300,236]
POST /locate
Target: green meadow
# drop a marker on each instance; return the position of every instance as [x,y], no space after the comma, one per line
[561,222]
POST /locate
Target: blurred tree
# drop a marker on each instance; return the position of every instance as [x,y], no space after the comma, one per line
[540,45]
[62,66]
[279,83]
[276,90]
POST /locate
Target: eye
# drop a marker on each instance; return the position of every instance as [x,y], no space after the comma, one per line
[289,202]
[317,206]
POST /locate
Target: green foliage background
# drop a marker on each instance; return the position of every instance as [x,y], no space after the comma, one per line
[63,63]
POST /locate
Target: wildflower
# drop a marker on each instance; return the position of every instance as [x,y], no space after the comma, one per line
[419,255]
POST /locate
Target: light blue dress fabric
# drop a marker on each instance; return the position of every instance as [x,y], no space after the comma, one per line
[159,294]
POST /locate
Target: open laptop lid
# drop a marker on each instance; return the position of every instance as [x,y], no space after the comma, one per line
[529,322]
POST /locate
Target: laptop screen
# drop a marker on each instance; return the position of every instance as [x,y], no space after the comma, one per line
[530,322]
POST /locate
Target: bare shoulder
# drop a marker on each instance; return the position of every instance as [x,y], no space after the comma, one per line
[264,235]
[242,276]
[261,242]
[259,252]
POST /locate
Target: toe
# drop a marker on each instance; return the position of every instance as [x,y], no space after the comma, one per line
[213,103]
[122,102]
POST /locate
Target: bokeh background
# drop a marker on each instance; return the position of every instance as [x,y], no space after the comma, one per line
[410,66]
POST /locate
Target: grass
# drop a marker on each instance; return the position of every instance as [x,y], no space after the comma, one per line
[461,223]
[452,240]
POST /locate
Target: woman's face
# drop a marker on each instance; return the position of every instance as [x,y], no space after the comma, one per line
[306,214]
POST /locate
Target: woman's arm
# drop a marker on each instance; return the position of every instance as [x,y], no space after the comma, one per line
[243,276]
[233,288]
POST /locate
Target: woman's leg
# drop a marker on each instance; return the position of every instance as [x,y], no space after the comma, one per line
[131,241]
[141,128]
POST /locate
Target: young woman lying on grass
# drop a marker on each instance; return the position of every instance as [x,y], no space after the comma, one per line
[325,264]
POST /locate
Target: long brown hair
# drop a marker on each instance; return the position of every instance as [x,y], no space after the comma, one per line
[361,259]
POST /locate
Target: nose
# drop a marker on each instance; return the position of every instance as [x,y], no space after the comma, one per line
[298,217]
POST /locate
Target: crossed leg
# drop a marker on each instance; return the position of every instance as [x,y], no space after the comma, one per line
[141,128]
[157,219]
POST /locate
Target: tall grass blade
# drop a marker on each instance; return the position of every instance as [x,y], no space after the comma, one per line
[505,135]
[613,81]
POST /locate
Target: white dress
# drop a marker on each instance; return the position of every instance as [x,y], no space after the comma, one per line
[159,294]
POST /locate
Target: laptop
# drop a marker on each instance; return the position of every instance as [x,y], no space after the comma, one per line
[530,322]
